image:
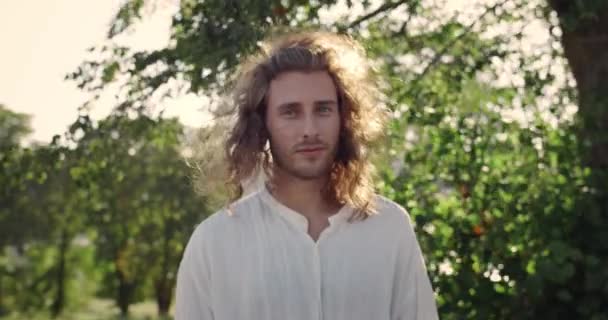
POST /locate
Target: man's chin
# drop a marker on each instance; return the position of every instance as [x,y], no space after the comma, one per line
[305,170]
[309,173]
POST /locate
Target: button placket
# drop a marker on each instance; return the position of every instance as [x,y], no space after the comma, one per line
[318,278]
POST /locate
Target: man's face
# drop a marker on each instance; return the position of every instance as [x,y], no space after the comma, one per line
[303,121]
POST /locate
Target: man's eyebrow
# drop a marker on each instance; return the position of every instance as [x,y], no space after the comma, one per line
[288,105]
[326,102]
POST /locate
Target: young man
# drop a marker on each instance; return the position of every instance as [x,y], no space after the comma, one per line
[314,242]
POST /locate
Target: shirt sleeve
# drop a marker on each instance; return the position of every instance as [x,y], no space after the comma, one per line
[413,297]
[192,296]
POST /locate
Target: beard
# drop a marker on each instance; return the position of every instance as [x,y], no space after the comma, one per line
[302,167]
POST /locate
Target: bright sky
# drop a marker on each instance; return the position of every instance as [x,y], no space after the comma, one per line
[44,40]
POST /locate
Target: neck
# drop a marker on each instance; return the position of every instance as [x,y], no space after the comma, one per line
[302,195]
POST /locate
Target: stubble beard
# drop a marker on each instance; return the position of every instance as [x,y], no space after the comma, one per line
[321,170]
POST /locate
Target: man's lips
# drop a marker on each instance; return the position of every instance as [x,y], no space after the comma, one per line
[310,149]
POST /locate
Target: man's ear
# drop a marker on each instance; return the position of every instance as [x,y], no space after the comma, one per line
[264,138]
[264,134]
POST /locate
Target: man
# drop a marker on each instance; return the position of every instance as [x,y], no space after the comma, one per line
[314,242]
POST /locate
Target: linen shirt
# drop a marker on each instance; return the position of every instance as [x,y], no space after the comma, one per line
[255,260]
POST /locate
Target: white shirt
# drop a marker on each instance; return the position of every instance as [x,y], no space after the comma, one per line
[256,261]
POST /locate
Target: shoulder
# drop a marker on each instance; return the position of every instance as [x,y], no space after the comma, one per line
[242,208]
[392,215]
[398,221]
[391,209]
[228,219]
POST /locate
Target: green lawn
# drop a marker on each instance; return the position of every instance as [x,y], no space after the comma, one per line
[98,309]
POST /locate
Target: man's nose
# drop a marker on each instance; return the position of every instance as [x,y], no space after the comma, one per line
[310,126]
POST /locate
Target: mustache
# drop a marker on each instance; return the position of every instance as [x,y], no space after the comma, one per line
[316,143]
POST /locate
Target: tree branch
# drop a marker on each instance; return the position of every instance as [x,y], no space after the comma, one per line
[460,36]
[383,8]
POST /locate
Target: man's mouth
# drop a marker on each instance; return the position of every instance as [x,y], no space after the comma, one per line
[310,150]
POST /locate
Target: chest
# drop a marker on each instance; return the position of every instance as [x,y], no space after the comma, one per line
[282,271]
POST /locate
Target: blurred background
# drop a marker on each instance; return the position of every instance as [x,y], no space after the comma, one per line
[498,145]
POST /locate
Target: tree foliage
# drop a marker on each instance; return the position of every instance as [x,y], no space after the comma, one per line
[496,148]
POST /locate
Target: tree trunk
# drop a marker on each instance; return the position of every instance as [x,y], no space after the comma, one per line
[59,300]
[164,291]
[164,285]
[125,293]
[584,27]
[3,311]
[585,42]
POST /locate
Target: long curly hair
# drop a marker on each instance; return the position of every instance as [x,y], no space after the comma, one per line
[361,109]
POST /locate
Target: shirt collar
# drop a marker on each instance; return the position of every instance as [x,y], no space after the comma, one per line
[297,219]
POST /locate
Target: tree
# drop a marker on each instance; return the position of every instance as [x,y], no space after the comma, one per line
[141,205]
[28,227]
[584,28]
[14,126]
[14,178]
[478,161]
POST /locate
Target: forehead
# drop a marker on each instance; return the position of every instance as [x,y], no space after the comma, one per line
[301,87]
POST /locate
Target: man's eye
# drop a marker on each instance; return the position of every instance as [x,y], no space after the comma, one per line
[324,109]
[289,113]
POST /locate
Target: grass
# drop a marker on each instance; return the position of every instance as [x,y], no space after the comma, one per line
[97,309]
